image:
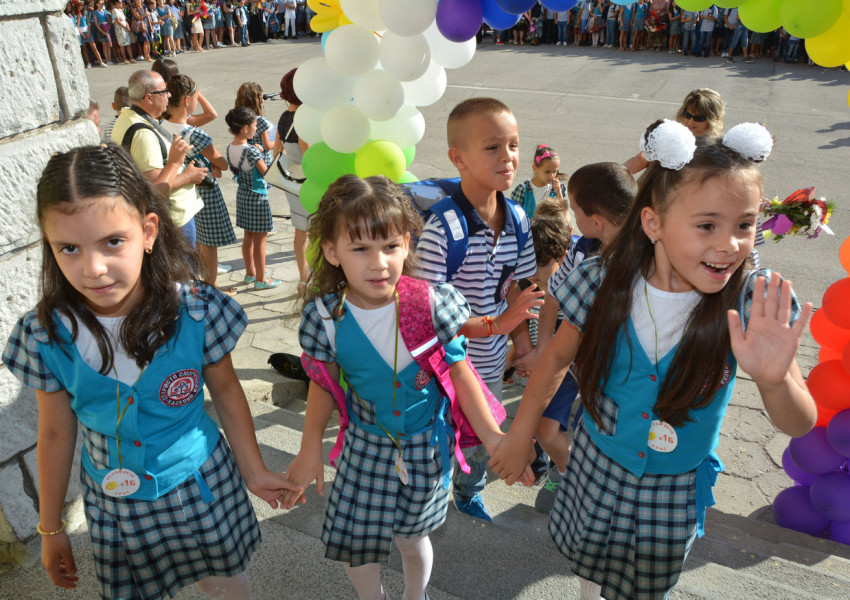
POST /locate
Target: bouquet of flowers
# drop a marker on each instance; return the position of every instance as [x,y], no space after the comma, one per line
[799,214]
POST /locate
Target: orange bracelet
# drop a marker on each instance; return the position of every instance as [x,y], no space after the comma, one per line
[491,325]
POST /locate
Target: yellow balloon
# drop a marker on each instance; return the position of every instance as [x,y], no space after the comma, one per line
[323,23]
[343,20]
[832,48]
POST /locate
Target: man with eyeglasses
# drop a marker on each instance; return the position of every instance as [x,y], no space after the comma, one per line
[159,156]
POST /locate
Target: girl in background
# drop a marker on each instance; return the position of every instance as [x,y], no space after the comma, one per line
[546,182]
[250,95]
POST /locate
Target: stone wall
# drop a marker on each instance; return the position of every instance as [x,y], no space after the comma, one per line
[43,96]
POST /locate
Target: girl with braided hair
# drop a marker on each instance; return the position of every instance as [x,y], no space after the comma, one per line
[122,342]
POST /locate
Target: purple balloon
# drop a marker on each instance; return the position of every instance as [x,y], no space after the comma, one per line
[840,532]
[838,432]
[830,495]
[794,472]
[459,20]
[560,4]
[813,453]
[495,17]
[792,509]
[515,7]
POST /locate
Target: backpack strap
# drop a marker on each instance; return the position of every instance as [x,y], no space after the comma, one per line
[521,227]
[529,205]
[457,233]
[127,140]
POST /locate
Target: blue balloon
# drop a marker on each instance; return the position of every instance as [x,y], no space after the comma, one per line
[516,7]
[495,17]
[558,5]
[325,37]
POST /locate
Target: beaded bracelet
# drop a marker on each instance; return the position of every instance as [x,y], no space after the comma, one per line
[58,531]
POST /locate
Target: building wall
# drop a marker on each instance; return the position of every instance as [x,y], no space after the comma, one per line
[43,97]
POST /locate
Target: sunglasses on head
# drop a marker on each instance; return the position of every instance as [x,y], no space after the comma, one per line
[697,118]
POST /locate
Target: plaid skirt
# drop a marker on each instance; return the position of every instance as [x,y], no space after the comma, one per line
[368,503]
[629,534]
[213,221]
[150,549]
[253,212]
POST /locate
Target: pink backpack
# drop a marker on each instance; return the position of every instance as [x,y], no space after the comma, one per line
[417,331]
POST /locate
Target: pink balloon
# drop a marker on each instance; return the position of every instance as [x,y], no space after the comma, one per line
[838,433]
[793,510]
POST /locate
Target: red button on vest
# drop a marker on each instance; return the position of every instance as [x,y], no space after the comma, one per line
[645,415]
[640,454]
[138,444]
[398,384]
[397,413]
[148,477]
[130,400]
[652,377]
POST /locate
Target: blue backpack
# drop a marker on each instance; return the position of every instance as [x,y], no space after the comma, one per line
[434,196]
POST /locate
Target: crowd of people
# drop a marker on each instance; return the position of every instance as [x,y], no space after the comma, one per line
[655,25]
[130,31]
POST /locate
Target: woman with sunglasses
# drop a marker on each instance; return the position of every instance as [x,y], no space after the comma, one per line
[702,112]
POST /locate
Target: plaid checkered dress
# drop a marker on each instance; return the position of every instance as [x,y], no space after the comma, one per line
[253,212]
[148,549]
[212,221]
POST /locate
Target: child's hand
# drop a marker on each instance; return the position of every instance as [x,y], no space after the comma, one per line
[770,344]
[58,560]
[520,310]
[273,488]
[302,471]
[511,458]
[524,364]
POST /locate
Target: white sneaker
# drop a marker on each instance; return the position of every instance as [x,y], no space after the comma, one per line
[222,269]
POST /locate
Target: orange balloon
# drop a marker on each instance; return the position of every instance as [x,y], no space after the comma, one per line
[836,299]
[824,415]
[826,333]
[829,385]
[826,353]
[844,251]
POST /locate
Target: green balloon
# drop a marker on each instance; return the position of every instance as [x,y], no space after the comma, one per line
[323,164]
[806,19]
[379,157]
[409,155]
[408,177]
[761,16]
[728,3]
[311,194]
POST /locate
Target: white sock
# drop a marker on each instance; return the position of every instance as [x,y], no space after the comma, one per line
[417,558]
[366,580]
[236,587]
[589,590]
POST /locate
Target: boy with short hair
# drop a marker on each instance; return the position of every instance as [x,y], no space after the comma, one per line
[483,145]
[600,195]
[120,100]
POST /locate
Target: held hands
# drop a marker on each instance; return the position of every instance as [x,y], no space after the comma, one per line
[274,488]
[511,460]
[520,310]
[767,349]
[304,470]
[58,560]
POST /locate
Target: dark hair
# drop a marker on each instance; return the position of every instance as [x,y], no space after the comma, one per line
[250,94]
[697,369]
[179,87]
[604,188]
[287,91]
[374,207]
[239,117]
[166,67]
[551,231]
[69,182]
[468,108]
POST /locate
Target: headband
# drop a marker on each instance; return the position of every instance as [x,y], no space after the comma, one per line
[673,145]
[547,154]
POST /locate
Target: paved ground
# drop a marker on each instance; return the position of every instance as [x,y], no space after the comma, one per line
[590,105]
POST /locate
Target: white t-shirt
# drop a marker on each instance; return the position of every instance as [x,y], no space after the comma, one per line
[660,330]
[128,370]
[379,325]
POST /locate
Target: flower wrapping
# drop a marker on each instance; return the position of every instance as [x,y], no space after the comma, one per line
[799,214]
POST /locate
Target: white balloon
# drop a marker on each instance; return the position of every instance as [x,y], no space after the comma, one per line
[352,50]
[364,13]
[308,123]
[378,95]
[427,89]
[345,128]
[451,55]
[405,57]
[404,129]
[316,83]
[407,17]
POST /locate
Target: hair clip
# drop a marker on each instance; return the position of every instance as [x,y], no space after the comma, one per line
[750,140]
[670,143]
[541,157]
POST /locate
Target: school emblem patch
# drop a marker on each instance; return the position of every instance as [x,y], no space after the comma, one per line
[503,292]
[423,378]
[724,379]
[180,388]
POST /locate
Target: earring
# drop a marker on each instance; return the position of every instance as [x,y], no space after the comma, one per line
[652,241]
[150,250]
